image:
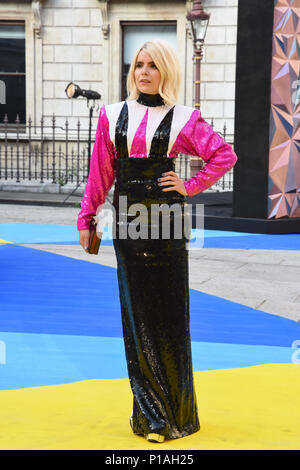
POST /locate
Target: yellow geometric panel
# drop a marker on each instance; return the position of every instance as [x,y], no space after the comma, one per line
[248,408]
[3,242]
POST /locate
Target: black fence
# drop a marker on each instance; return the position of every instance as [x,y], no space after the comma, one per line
[48,152]
[55,153]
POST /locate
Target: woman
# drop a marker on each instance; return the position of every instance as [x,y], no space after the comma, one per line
[136,143]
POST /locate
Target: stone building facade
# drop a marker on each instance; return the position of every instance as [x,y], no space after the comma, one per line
[84,41]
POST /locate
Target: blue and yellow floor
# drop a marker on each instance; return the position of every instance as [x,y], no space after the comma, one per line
[63,376]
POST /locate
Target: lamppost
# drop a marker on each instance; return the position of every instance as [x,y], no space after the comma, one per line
[199,20]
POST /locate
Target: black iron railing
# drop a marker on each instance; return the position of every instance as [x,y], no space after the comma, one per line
[47,152]
[59,154]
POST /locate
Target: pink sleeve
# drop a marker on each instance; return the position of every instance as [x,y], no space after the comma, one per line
[101,174]
[197,138]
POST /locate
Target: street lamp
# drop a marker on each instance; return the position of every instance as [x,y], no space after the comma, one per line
[199,20]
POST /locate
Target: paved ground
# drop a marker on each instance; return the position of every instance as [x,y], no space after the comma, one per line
[267,280]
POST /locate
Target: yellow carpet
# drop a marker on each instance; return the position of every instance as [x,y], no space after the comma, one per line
[249,408]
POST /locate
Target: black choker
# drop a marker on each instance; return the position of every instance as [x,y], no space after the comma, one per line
[150,100]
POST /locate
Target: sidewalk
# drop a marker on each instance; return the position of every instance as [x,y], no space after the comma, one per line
[217,210]
[216,203]
[40,199]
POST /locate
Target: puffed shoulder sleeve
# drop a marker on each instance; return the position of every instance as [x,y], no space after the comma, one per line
[198,138]
[101,173]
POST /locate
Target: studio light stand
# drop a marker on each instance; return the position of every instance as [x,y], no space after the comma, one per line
[73,91]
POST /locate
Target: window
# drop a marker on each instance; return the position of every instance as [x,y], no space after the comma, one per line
[135,33]
[12,71]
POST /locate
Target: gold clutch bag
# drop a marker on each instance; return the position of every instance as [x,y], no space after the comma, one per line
[95,240]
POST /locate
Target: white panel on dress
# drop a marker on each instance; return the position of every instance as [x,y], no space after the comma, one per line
[136,112]
[113,112]
[181,116]
[156,115]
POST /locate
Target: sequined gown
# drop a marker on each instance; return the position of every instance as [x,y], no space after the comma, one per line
[136,141]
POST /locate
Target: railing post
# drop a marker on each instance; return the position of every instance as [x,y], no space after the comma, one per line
[42,135]
[224,131]
[78,149]
[53,149]
[72,160]
[42,158]
[36,156]
[67,149]
[5,139]
[23,160]
[59,162]
[29,143]
[180,166]
[18,123]
[47,161]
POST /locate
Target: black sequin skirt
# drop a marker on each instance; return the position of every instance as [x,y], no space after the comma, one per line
[154,297]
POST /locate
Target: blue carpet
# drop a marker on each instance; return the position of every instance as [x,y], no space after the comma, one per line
[256,242]
[60,322]
[68,234]
[33,360]
[46,293]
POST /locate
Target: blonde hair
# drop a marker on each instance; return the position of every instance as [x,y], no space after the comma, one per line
[166,61]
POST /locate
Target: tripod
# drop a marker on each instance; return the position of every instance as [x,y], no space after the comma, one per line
[91,110]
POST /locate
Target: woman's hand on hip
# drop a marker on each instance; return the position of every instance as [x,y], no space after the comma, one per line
[84,238]
[170,178]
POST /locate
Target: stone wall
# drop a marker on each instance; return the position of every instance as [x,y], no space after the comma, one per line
[74,49]
[218,69]
[65,42]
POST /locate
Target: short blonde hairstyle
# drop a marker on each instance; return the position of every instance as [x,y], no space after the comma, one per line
[166,61]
